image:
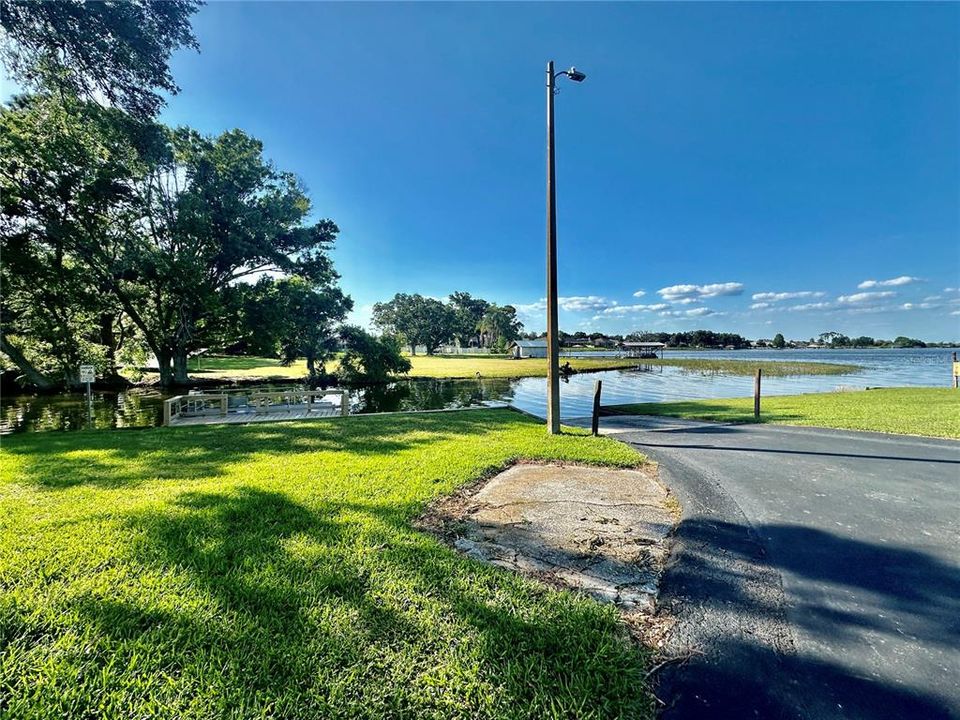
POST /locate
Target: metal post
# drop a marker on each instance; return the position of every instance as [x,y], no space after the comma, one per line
[89,406]
[595,420]
[956,375]
[756,394]
[553,339]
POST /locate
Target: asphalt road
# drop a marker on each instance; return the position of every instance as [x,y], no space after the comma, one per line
[815,572]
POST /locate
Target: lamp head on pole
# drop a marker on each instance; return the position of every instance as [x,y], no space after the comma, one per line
[576,75]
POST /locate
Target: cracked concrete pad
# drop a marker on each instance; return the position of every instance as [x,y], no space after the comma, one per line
[598,530]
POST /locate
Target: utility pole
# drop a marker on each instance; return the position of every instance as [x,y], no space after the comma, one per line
[553,339]
[553,331]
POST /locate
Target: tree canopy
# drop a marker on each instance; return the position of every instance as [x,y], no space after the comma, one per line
[155,222]
[119,51]
[417,319]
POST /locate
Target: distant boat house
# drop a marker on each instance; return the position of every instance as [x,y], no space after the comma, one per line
[646,350]
[521,349]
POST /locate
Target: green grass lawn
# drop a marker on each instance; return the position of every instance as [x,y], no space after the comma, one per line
[246,366]
[910,411]
[458,366]
[437,366]
[272,571]
[467,366]
[778,368]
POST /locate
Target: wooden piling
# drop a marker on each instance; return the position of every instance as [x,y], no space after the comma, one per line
[595,420]
[756,394]
[956,372]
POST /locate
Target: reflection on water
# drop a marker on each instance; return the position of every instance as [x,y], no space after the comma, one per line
[68,411]
[144,408]
[880,368]
[430,395]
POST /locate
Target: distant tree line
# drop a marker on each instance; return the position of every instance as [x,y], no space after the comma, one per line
[693,339]
[837,340]
[463,320]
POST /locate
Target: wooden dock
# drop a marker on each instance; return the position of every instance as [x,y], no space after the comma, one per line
[252,417]
[240,408]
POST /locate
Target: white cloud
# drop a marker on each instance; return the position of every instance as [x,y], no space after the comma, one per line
[810,306]
[640,293]
[920,306]
[759,305]
[533,308]
[951,290]
[686,314]
[778,296]
[955,312]
[871,309]
[584,303]
[573,303]
[681,292]
[630,309]
[686,301]
[892,282]
[864,297]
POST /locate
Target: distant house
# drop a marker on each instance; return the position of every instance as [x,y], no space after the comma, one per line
[528,349]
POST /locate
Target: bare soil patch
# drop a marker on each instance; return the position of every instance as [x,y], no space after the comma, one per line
[600,531]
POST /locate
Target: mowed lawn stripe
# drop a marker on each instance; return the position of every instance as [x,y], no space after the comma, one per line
[272,571]
[933,412]
[467,366]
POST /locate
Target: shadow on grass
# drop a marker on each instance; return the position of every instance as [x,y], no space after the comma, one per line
[219,363]
[693,410]
[341,609]
[124,458]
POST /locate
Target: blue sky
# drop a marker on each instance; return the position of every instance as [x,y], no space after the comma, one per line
[756,168]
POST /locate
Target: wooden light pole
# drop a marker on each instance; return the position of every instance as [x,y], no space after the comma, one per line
[553,331]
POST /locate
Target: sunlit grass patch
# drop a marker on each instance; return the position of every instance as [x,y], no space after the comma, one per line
[251,571]
[911,411]
[227,367]
[467,367]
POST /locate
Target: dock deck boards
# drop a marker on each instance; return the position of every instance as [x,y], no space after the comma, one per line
[239,418]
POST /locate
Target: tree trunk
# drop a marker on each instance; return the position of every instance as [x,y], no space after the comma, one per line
[33,376]
[109,341]
[180,376]
[311,367]
[166,372]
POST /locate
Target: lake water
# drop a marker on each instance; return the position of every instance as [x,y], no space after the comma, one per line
[880,368]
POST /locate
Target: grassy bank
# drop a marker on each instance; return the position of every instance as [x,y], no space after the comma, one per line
[461,366]
[272,571]
[454,366]
[229,367]
[749,367]
[911,411]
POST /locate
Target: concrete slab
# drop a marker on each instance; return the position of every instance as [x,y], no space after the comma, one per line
[597,530]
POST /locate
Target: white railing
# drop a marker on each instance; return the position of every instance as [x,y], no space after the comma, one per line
[223,404]
[195,405]
[305,399]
